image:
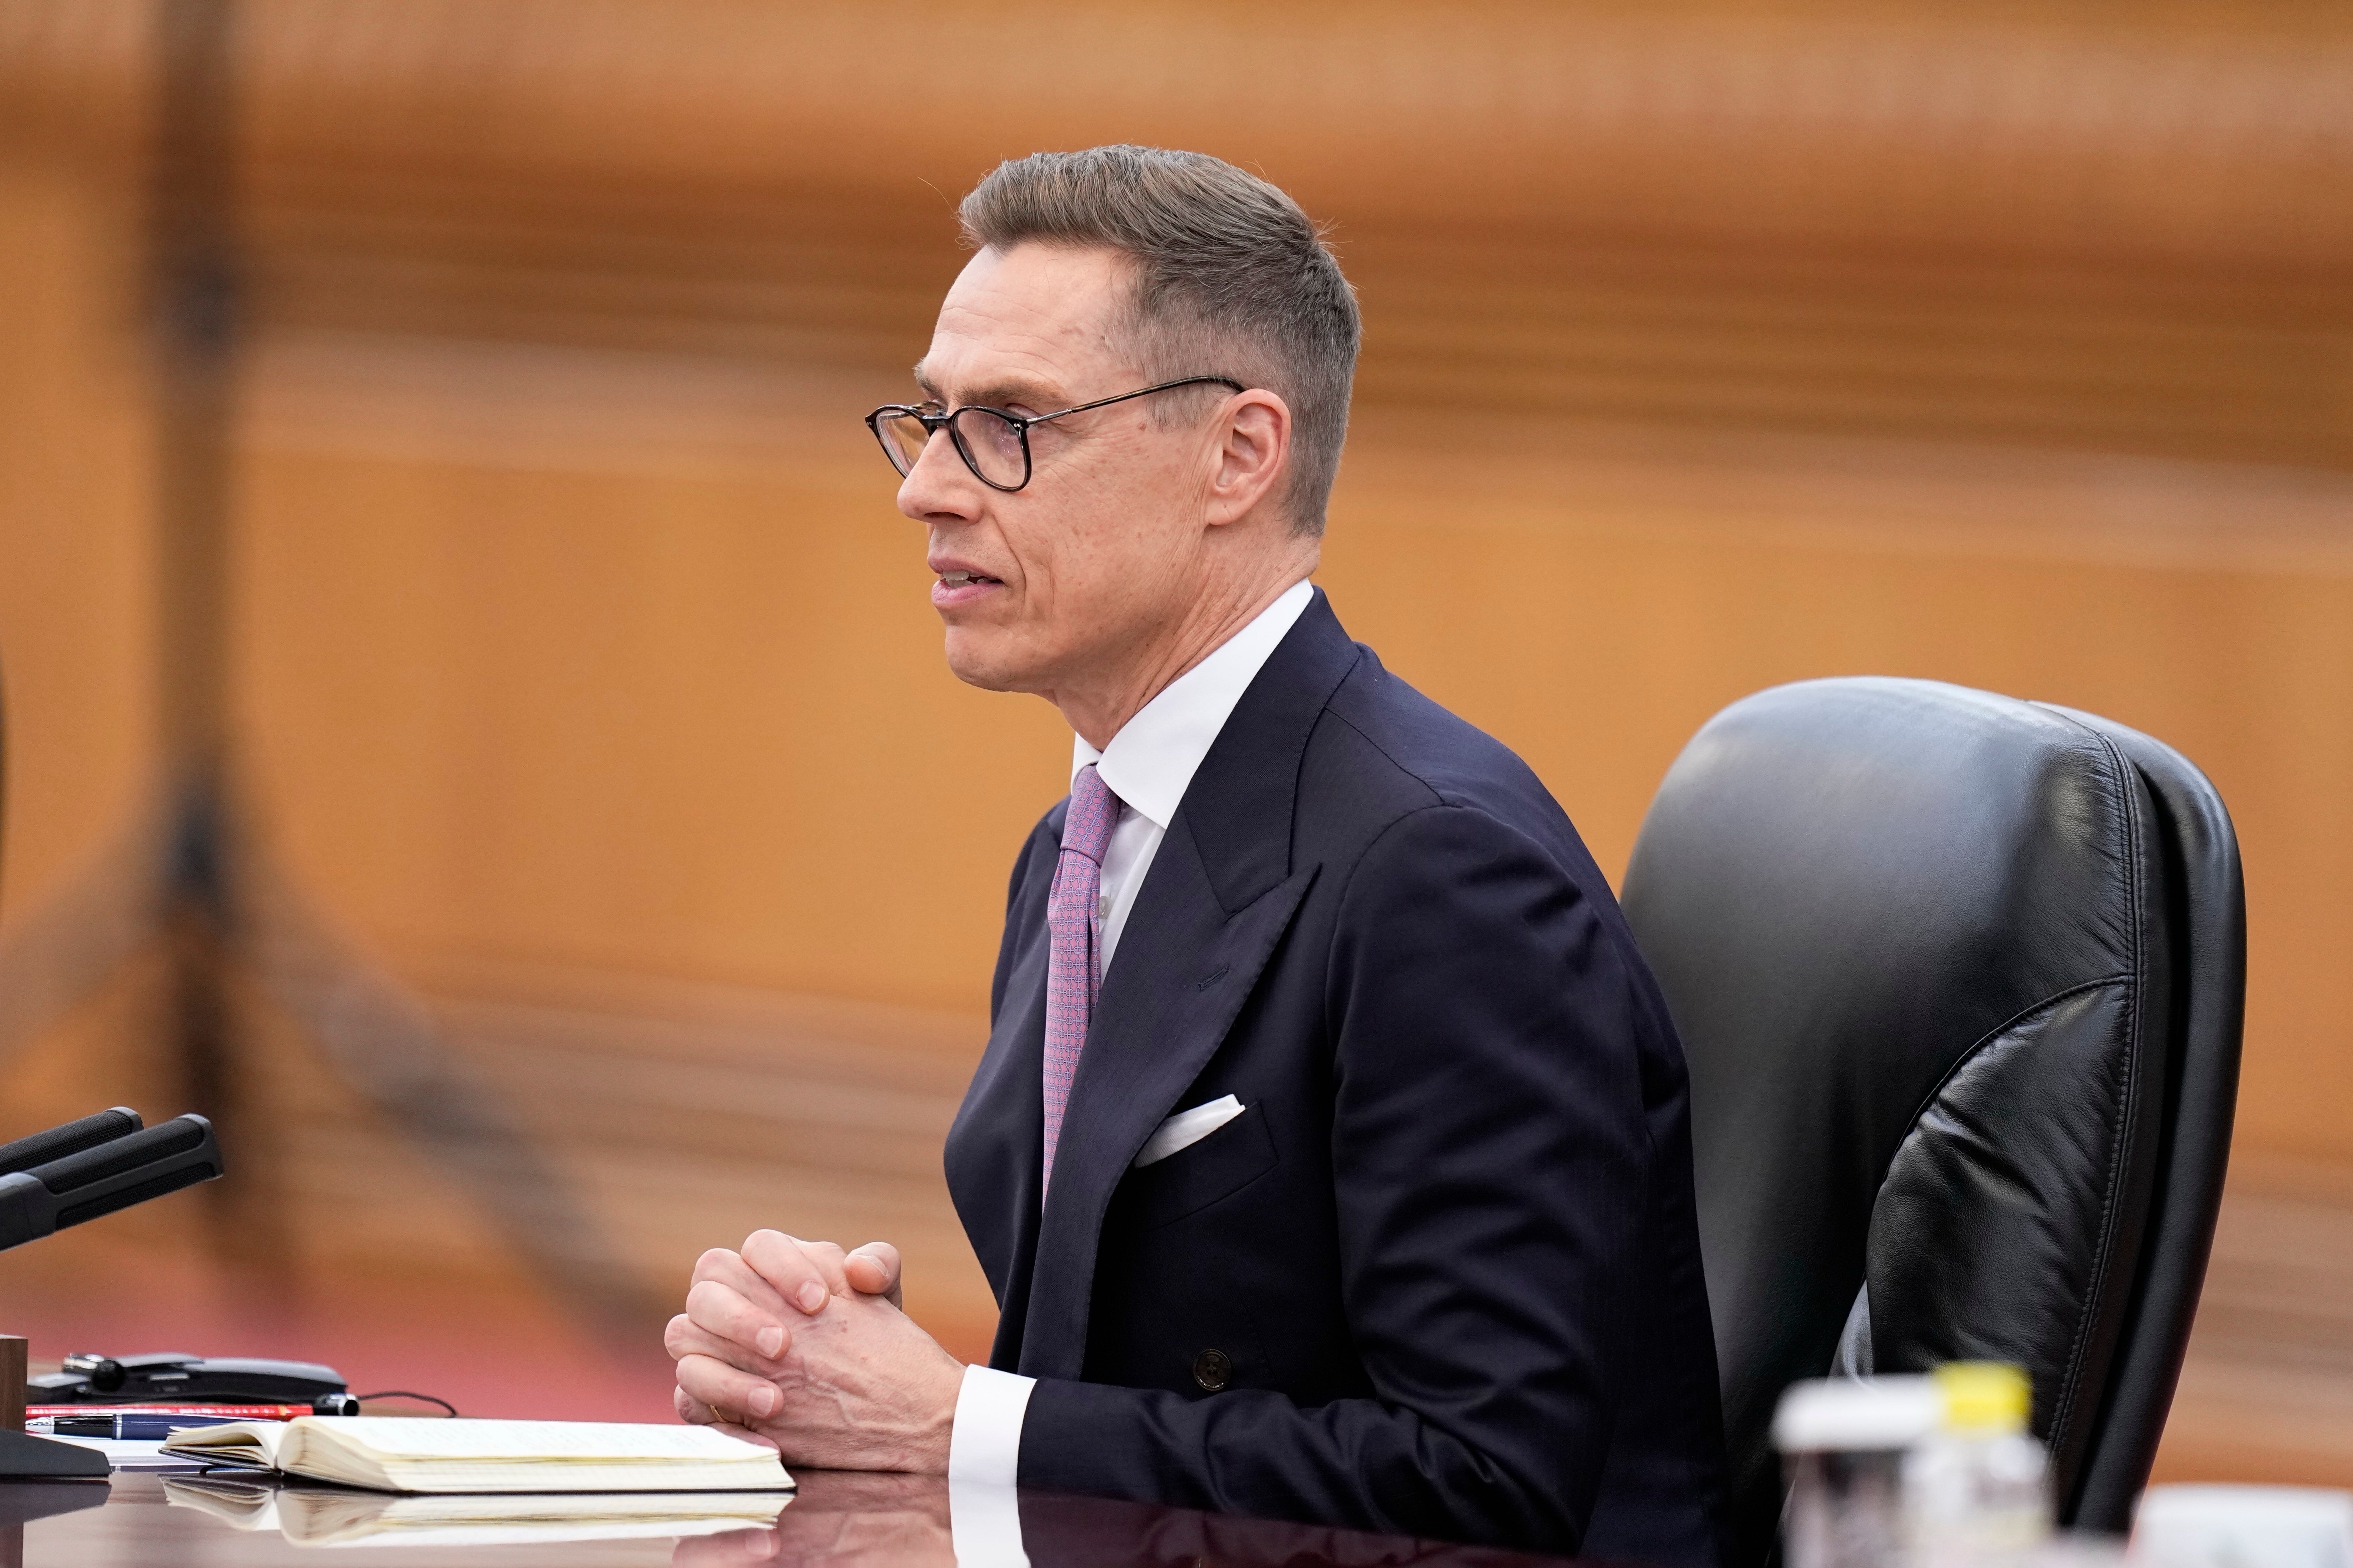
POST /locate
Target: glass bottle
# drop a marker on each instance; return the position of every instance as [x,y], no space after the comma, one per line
[1976,1487]
[1843,1443]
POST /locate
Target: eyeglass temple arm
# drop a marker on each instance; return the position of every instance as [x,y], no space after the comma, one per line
[1123,397]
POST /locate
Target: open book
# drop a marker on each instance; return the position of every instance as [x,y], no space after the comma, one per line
[324,1517]
[424,1453]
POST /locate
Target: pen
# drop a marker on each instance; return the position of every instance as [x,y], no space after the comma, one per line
[131,1425]
[234,1410]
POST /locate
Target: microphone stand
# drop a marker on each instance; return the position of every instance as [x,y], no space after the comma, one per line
[22,1454]
[68,1175]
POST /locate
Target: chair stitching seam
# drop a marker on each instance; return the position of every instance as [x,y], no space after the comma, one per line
[1982,1041]
[1975,1050]
[2103,1260]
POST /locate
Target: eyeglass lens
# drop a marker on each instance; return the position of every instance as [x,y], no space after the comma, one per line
[993,446]
[990,443]
[903,438]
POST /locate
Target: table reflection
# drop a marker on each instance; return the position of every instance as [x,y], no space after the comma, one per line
[838,1518]
[318,1515]
[844,1519]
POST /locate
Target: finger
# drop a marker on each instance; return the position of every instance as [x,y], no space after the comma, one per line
[695,1412]
[683,1337]
[728,1268]
[675,1336]
[746,1434]
[826,1257]
[730,1392]
[720,1309]
[803,1272]
[873,1270]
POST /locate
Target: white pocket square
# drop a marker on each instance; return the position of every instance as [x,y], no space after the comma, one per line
[1187,1128]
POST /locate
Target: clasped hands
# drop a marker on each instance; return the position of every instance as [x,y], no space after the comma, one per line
[804,1348]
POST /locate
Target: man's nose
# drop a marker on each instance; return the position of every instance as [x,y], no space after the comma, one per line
[939,484]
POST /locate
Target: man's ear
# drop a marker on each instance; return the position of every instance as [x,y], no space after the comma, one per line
[1253,452]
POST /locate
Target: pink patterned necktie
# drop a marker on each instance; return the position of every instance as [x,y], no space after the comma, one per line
[1073,921]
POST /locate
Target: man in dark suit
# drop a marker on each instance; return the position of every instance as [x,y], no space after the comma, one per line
[1329,1157]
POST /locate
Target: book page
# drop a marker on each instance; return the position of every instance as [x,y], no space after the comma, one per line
[252,1443]
[528,1441]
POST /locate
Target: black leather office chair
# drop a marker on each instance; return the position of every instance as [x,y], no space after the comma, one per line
[1960,980]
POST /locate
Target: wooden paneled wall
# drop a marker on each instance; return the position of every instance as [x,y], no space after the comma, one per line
[584,667]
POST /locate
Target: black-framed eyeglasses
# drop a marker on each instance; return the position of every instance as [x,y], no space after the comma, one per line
[995,445]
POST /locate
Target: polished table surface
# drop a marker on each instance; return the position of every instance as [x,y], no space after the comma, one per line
[838,1518]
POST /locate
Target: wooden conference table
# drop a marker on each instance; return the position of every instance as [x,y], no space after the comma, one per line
[837,1518]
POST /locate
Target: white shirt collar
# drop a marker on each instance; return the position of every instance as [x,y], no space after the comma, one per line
[1155,753]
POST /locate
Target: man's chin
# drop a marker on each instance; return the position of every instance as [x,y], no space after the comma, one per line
[979,659]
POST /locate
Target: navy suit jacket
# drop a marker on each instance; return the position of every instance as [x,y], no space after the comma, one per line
[1447,1253]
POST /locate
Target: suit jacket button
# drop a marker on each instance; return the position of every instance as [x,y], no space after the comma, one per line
[1213,1370]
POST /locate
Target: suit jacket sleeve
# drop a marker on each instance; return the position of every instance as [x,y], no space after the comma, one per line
[1489,1155]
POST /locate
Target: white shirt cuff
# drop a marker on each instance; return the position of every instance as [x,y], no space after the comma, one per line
[984,1466]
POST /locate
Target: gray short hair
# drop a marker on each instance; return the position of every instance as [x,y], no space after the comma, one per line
[1232,278]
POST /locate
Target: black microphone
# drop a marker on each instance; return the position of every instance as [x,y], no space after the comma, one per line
[72,1139]
[86,1175]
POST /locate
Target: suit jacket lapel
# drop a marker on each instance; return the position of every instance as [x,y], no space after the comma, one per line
[1156,1025]
[1219,896]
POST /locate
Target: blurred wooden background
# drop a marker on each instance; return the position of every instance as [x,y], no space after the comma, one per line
[583,672]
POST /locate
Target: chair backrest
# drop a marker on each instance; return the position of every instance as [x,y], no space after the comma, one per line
[1960,979]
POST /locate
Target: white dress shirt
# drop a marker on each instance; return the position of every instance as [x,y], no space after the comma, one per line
[1148,765]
